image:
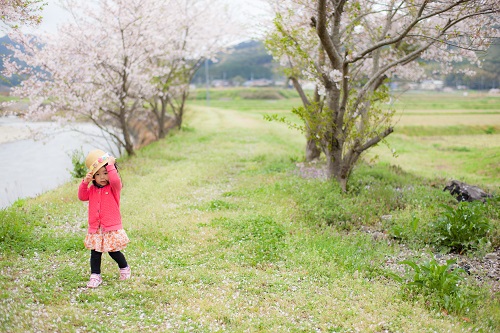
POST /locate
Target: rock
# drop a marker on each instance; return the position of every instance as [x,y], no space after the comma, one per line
[486,271]
[379,235]
[491,256]
[466,192]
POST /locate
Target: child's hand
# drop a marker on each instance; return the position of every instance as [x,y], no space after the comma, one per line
[111,160]
[88,177]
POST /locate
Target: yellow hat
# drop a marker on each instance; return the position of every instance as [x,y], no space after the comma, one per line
[95,160]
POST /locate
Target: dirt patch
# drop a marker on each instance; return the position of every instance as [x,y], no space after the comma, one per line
[485,270]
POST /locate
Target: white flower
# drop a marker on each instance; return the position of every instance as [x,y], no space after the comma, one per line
[336,75]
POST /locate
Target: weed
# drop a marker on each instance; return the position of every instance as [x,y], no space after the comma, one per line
[78,161]
[15,229]
[490,130]
[215,205]
[440,285]
[462,229]
[405,230]
[259,238]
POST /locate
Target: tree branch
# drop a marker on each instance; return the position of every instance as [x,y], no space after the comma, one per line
[409,57]
[323,35]
[376,139]
[298,88]
[404,33]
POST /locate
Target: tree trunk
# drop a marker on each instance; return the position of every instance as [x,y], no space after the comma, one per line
[336,170]
[129,146]
[161,121]
[343,183]
[312,150]
[180,113]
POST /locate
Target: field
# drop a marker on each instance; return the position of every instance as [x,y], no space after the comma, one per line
[447,136]
[227,236]
[437,135]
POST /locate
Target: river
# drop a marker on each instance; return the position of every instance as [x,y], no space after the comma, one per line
[31,165]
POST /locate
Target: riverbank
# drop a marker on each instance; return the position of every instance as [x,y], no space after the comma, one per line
[227,237]
[36,156]
[12,133]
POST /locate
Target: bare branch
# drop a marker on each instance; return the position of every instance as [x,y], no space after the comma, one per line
[418,19]
[376,139]
[323,35]
[298,87]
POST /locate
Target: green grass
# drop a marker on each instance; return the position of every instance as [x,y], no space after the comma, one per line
[6,98]
[456,130]
[429,101]
[469,158]
[225,236]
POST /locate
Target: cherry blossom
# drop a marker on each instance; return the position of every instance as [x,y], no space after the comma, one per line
[16,13]
[120,64]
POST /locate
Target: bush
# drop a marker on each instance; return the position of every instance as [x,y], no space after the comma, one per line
[78,161]
[373,193]
[492,213]
[442,286]
[462,229]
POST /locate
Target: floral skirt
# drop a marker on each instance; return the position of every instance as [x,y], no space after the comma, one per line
[107,241]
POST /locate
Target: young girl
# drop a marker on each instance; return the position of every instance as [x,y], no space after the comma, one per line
[105,231]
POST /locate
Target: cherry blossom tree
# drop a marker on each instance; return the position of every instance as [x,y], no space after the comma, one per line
[206,28]
[16,13]
[115,62]
[351,49]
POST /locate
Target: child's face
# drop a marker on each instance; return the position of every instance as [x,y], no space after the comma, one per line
[101,176]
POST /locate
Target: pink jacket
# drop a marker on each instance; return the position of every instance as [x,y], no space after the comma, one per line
[104,203]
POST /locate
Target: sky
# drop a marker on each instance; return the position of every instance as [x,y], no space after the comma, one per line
[250,11]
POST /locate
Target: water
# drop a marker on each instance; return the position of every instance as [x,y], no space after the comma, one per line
[30,166]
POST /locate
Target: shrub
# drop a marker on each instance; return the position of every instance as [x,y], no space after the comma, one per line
[78,161]
[492,213]
[462,229]
[442,286]
[261,94]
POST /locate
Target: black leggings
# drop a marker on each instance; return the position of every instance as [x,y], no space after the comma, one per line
[95,260]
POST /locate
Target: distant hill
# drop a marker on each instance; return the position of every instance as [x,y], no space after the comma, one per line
[249,61]
[245,61]
[4,51]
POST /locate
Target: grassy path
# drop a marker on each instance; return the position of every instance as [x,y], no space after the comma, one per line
[217,245]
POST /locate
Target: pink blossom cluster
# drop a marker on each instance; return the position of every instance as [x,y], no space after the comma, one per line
[14,13]
[118,61]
